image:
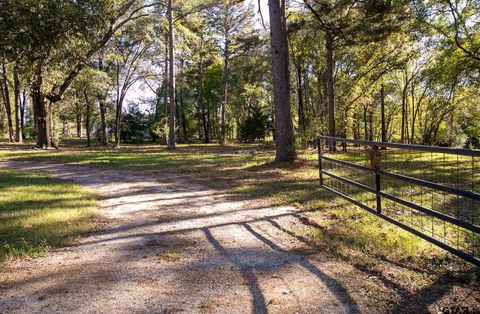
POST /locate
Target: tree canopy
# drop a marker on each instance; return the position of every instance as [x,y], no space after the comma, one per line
[208,70]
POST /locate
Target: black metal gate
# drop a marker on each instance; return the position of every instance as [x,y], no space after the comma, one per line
[428,191]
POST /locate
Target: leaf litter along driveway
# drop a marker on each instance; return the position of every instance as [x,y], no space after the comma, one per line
[171,245]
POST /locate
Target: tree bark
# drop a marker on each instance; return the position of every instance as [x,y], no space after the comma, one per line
[206,132]
[118,109]
[330,86]
[284,137]
[183,117]
[224,89]
[41,108]
[22,110]
[404,108]
[356,125]
[171,51]
[382,112]
[370,120]
[43,117]
[6,100]
[118,119]
[78,117]
[87,117]
[301,110]
[103,121]
[18,124]
[365,122]
[102,99]
[165,88]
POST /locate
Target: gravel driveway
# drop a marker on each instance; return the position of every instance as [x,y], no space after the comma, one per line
[171,245]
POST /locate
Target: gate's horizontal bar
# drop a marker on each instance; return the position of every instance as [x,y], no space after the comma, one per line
[434,149]
[427,211]
[346,163]
[428,184]
[348,181]
[433,213]
[465,256]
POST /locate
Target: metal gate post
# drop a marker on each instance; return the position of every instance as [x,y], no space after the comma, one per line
[376,169]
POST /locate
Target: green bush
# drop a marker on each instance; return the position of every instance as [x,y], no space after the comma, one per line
[256,127]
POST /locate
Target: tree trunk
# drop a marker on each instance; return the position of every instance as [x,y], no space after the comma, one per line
[41,109]
[78,116]
[8,107]
[103,121]
[365,122]
[87,117]
[284,137]
[209,121]
[102,99]
[356,124]
[183,117]
[382,112]
[301,116]
[171,51]
[417,112]
[407,128]
[224,90]
[18,124]
[118,110]
[201,102]
[330,86]
[370,120]
[165,91]
[22,111]
[404,109]
[118,120]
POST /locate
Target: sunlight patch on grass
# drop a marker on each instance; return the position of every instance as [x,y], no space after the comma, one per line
[38,212]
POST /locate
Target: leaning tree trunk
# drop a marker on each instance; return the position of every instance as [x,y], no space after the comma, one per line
[18,124]
[6,100]
[284,138]
[330,86]
[171,52]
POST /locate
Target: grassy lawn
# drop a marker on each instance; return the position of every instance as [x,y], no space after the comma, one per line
[336,227]
[38,212]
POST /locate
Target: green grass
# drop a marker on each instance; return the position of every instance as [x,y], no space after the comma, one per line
[38,212]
